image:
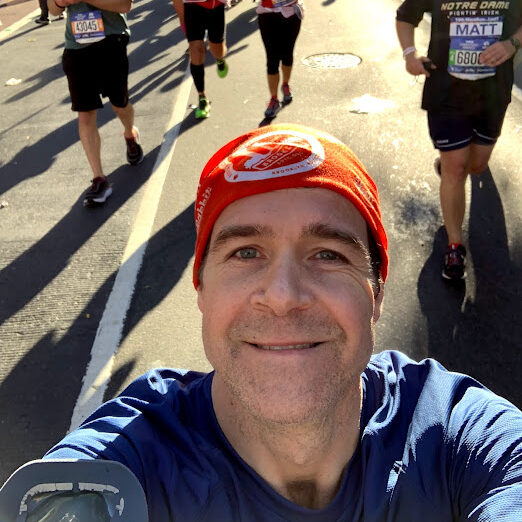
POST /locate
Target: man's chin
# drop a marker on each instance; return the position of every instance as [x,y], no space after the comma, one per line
[292,402]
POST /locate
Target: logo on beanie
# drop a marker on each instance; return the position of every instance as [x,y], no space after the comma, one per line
[201,204]
[273,155]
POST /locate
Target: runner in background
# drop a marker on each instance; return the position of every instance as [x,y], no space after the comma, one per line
[469,76]
[43,19]
[279,24]
[95,62]
[201,16]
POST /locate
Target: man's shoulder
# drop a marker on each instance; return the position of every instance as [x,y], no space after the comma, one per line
[427,390]
[166,386]
[161,380]
[162,403]
[391,363]
[423,424]
[398,370]
[159,397]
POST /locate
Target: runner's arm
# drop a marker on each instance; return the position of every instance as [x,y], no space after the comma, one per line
[499,52]
[56,9]
[406,36]
[486,457]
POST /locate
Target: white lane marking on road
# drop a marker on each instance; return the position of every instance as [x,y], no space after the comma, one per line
[9,30]
[108,335]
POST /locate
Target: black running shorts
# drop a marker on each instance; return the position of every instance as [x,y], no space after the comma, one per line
[199,19]
[100,69]
[451,131]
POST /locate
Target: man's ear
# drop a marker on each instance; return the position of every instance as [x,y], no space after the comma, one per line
[378,303]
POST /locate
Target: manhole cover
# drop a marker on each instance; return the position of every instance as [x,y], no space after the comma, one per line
[332,60]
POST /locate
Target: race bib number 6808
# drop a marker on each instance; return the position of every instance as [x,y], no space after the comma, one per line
[469,36]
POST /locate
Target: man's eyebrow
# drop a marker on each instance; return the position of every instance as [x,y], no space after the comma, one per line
[317,230]
[238,231]
[323,231]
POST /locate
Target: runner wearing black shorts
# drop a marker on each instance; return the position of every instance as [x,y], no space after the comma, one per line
[96,65]
[469,77]
[108,58]
[200,17]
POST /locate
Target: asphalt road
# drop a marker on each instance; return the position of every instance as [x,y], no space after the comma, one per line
[60,262]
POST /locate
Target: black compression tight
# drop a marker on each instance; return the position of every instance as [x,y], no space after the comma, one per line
[279,35]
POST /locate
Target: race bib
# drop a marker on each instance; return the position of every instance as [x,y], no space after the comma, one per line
[469,36]
[87,27]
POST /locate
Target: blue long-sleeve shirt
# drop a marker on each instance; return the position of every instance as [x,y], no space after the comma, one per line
[434,446]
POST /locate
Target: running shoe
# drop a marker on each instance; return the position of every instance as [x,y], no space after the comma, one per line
[222,68]
[454,262]
[98,192]
[287,95]
[41,21]
[436,166]
[203,109]
[273,108]
[134,149]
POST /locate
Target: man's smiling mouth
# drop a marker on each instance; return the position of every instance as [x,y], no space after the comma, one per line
[276,347]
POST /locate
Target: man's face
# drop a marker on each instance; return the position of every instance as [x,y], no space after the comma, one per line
[287,303]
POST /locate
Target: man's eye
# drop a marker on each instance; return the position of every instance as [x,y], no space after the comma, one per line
[246,253]
[328,255]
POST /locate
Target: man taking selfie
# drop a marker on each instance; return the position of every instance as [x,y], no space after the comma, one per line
[300,421]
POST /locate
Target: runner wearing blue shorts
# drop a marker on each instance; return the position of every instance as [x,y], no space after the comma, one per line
[469,76]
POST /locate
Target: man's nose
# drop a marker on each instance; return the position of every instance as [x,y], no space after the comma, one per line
[284,287]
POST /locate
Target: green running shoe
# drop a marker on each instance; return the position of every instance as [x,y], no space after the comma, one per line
[203,109]
[222,68]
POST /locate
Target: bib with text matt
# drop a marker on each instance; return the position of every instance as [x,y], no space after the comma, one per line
[469,36]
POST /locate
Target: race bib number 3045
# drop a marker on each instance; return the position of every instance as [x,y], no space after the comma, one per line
[87,27]
[469,36]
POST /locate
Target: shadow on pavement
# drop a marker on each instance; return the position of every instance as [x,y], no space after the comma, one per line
[168,253]
[33,160]
[242,26]
[54,250]
[33,421]
[167,256]
[20,34]
[37,81]
[27,417]
[478,334]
